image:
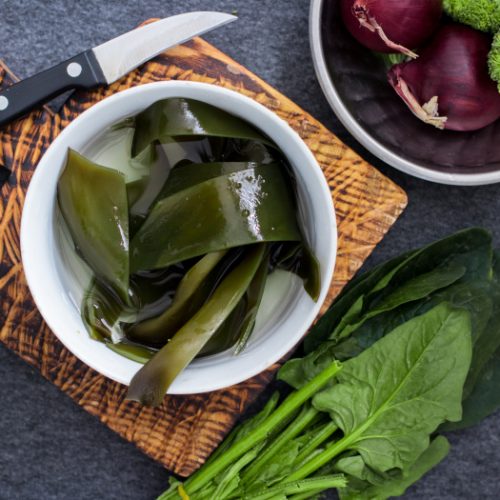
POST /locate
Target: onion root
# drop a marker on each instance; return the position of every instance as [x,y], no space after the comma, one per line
[362,14]
[427,112]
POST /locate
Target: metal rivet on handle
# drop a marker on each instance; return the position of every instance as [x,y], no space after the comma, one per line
[74,69]
[4,102]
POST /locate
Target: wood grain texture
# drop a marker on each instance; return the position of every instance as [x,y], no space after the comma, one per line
[183,431]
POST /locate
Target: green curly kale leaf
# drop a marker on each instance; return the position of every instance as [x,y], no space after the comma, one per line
[484,15]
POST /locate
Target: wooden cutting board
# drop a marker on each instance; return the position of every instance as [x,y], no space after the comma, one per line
[185,429]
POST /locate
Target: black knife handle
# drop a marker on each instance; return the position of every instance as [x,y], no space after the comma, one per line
[81,71]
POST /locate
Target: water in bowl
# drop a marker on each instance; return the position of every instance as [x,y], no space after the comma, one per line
[112,149]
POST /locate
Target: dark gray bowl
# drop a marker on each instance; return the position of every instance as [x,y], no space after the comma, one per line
[355,84]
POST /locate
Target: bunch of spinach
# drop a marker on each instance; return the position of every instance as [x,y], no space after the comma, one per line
[462,270]
[409,348]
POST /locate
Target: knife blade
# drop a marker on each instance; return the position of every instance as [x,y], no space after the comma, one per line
[107,62]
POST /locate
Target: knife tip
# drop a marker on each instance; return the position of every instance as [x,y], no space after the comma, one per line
[230,17]
[224,17]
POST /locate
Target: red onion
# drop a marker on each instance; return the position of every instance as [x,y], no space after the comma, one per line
[392,25]
[448,86]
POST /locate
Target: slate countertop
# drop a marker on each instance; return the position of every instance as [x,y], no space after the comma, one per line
[52,449]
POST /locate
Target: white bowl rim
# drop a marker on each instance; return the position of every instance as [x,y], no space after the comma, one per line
[43,290]
[374,146]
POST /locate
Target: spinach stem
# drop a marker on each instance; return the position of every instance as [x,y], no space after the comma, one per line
[305,496]
[306,416]
[323,434]
[321,459]
[226,485]
[208,493]
[314,484]
[235,433]
[291,403]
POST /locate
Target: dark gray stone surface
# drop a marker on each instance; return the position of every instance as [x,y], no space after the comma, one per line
[49,447]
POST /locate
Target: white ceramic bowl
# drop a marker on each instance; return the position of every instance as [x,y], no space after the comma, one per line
[49,279]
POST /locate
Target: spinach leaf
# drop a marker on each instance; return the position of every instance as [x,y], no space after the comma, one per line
[470,248]
[484,398]
[487,341]
[482,300]
[376,328]
[355,467]
[391,397]
[475,297]
[415,289]
[350,294]
[481,395]
[297,372]
[395,487]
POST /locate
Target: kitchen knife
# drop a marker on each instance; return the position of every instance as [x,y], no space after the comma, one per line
[108,62]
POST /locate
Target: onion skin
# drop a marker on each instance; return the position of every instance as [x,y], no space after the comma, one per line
[448,86]
[392,26]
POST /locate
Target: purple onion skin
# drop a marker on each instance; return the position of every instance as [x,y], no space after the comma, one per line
[453,67]
[408,23]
